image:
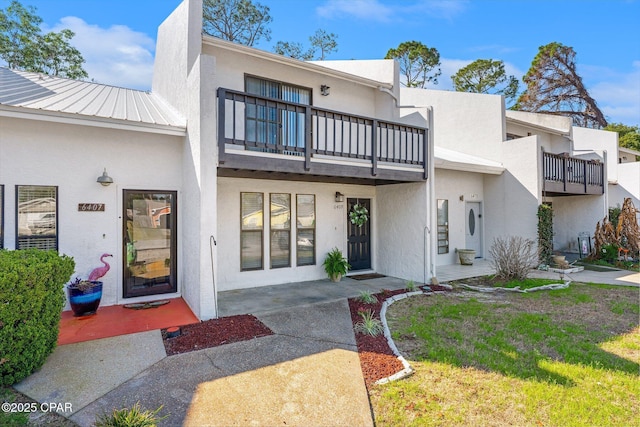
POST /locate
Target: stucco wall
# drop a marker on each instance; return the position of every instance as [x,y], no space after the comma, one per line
[600,141]
[451,185]
[72,157]
[628,184]
[512,199]
[331,231]
[466,122]
[573,215]
[402,217]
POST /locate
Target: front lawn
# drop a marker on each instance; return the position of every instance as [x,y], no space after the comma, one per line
[553,358]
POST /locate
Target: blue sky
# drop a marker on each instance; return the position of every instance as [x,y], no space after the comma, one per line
[117,37]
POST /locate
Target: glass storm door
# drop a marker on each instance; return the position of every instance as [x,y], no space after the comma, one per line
[149,242]
[359,238]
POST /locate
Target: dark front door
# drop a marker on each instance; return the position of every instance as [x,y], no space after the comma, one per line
[359,238]
[149,242]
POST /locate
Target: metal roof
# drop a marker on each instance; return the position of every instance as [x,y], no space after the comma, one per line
[84,99]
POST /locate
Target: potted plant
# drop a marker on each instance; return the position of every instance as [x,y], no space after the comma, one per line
[84,296]
[335,265]
[466,256]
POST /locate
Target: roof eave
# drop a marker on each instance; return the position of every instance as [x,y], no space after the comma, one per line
[78,119]
[291,62]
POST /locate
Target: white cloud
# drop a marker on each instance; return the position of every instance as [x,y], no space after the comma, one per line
[369,10]
[618,95]
[377,11]
[116,55]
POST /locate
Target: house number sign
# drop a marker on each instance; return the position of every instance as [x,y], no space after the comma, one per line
[90,207]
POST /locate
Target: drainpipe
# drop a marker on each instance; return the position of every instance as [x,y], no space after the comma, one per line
[605,184]
[212,243]
[431,188]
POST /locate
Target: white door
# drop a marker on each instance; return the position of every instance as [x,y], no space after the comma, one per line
[473,231]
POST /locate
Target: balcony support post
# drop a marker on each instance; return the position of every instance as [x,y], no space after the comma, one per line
[374,148]
[307,138]
[222,95]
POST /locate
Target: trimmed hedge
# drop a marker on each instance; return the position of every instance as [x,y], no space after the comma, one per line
[31,300]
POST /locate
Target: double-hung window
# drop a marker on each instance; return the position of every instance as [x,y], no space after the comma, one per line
[280,220]
[251,231]
[306,229]
[36,217]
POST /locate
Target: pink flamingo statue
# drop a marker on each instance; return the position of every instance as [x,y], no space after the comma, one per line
[100,271]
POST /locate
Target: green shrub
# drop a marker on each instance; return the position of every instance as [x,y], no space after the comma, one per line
[609,252]
[136,416]
[545,233]
[31,299]
[369,324]
[367,297]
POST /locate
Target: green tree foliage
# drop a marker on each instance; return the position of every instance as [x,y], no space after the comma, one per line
[486,76]
[24,47]
[321,41]
[555,87]
[628,136]
[419,64]
[239,21]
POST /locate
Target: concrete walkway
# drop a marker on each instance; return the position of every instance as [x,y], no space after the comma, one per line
[307,373]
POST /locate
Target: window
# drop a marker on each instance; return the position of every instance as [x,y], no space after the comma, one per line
[37,217]
[306,229]
[1,216]
[251,231]
[443,226]
[280,221]
[270,124]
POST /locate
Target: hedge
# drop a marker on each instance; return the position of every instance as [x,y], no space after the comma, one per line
[31,300]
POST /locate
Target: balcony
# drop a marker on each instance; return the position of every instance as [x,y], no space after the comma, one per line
[568,176]
[268,138]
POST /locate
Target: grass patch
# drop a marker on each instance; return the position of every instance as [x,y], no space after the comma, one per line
[11,419]
[568,357]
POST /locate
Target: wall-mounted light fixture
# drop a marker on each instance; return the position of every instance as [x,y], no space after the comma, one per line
[104,179]
[462,198]
[325,90]
[339,197]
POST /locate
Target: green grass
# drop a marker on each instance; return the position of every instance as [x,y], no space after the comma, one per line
[564,358]
[11,419]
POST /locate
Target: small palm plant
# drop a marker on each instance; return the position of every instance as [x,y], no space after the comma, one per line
[369,324]
[367,297]
[336,265]
[136,416]
[411,286]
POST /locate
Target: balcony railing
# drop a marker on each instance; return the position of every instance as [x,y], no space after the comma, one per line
[571,175]
[307,139]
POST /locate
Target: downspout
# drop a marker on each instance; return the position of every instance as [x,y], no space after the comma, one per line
[212,243]
[431,188]
[605,184]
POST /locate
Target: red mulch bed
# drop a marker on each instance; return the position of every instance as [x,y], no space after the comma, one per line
[376,358]
[215,332]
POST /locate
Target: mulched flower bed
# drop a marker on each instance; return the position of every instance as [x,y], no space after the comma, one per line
[214,332]
[376,358]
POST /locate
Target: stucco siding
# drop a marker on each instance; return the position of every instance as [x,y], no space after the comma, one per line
[72,157]
[573,215]
[403,250]
[452,186]
[330,232]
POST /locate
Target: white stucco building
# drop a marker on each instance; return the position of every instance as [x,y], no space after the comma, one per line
[242,166]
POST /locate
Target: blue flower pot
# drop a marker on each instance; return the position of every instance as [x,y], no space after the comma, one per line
[85,302]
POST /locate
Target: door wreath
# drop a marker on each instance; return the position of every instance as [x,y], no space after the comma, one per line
[358,215]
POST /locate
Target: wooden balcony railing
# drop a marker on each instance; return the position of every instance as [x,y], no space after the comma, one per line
[300,133]
[571,175]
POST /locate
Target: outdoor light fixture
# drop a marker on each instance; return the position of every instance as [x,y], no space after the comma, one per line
[339,197]
[105,180]
[324,90]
